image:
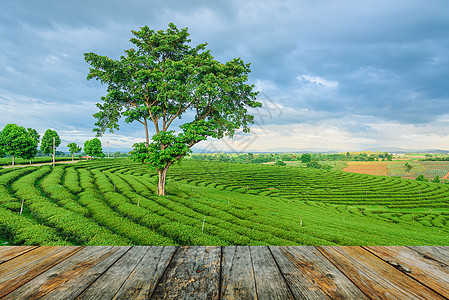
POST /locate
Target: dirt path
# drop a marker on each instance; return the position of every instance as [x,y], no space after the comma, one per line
[42,164]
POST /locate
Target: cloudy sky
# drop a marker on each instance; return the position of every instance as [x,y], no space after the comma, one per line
[333,75]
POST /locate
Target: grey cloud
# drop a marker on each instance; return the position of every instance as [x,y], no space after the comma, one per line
[389,58]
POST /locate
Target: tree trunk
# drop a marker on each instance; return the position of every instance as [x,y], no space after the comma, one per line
[147,138]
[54,149]
[13,161]
[72,156]
[162,176]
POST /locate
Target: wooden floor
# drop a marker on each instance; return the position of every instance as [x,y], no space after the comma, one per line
[224,272]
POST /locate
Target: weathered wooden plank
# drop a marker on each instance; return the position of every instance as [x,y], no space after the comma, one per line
[73,275]
[375,277]
[18,271]
[142,281]
[106,286]
[9,252]
[311,276]
[193,273]
[431,273]
[437,253]
[270,283]
[237,276]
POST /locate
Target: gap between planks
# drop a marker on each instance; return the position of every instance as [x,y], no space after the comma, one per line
[214,272]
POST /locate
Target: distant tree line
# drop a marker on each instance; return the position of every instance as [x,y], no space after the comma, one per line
[20,142]
[305,158]
[435,158]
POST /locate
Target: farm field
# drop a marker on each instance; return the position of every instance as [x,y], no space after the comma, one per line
[429,169]
[367,167]
[113,202]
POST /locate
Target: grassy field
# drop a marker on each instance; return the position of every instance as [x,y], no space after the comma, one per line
[113,202]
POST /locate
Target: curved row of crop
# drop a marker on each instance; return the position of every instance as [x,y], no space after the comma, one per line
[71,226]
[217,219]
[20,228]
[113,202]
[307,186]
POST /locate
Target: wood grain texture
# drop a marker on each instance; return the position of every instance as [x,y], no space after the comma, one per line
[269,281]
[440,253]
[429,272]
[237,274]
[311,276]
[193,273]
[142,281]
[9,252]
[69,278]
[20,270]
[373,276]
[143,272]
[106,286]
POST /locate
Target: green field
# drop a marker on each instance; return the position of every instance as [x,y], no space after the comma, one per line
[113,202]
[7,161]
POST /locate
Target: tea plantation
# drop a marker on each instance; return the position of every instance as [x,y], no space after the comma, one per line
[113,202]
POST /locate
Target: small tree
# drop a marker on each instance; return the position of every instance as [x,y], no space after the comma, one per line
[306,157]
[436,179]
[422,178]
[117,154]
[73,148]
[16,141]
[314,165]
[47,142]
[408,167]
[93,148]
[280,163]
[164,78]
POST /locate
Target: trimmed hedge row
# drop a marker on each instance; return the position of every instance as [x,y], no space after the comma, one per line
[72,226]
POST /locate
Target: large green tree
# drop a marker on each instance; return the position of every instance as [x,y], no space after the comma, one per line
[73,148]
[47,142]
[93,148]
[164,79]
[35,136]
[16,141]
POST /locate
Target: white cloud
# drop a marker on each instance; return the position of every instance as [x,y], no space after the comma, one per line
[51,59]
[265,86]
[116,141]
[39,114]
[336,135]
[317,80]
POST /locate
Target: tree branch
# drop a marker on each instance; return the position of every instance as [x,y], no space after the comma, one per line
[164,120]
[204,117]
[147,98]
[172,118]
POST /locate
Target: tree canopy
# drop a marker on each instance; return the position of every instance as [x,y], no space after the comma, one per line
[16,141]
[73,148]
[164,79]
[93,148]
[306,157]
[47,141]
[34,134]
